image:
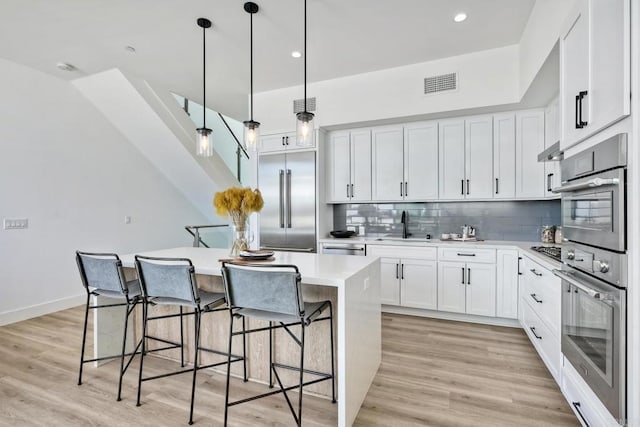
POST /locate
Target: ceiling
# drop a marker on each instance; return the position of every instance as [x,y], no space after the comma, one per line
[345,37]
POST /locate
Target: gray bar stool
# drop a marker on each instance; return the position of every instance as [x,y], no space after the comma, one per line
[273,292]
[172,282]
[102,275]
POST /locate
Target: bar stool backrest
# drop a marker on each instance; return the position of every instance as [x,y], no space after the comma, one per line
[101,271]
[168,278]
[274,287]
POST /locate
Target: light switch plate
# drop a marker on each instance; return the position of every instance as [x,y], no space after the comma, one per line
[15,223]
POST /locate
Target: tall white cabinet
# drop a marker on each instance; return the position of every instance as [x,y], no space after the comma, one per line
[504,156]
[349,178]
[530,178]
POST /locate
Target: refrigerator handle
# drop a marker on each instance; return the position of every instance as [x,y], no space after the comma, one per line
[288,198]
[281,200]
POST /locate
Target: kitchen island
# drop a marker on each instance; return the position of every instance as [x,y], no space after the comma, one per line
[351,283]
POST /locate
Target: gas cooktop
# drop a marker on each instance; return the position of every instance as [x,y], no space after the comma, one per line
[550,251]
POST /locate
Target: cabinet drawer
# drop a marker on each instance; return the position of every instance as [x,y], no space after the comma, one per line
[405,252]
[542,290]
[458,253]
[547,344]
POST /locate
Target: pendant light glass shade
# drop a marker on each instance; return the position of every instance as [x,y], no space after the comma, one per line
[251,127]
[304,122]
[304,129]
[252,135]
[204,145]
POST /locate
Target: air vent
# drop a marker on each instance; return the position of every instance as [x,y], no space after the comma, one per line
[298,105]
[440,83]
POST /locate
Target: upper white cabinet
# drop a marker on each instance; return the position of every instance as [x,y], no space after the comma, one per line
[349,165]
[421,161]
[278,142]
[594,68]
[466,158]
[530,178]
[504,156]
[387,157]
[551,136]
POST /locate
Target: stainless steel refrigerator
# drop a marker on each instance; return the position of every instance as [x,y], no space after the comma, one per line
[288,185]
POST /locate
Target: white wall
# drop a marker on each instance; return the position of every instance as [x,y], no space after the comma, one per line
[75,177]
[486,78]
[539,36]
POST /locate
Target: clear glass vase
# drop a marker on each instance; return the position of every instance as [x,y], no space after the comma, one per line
[240,240]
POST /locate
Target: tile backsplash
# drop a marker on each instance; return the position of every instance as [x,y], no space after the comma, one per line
[513,220]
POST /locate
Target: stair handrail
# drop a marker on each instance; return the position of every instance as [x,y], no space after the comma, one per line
[196,234]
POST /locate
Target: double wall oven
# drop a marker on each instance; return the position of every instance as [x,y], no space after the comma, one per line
[594,272]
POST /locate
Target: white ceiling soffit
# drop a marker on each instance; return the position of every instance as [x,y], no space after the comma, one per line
[344,38]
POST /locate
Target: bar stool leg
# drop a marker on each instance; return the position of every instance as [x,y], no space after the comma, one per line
[270,354]
[226,397]
[301,374]
[124,345]
[333,372]
[144,348]
[84,339]
[195,361]
[244,350]
[181,340]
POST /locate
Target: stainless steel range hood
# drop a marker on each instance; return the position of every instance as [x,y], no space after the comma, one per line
[551,154]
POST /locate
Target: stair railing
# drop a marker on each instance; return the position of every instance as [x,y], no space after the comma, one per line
[194,230]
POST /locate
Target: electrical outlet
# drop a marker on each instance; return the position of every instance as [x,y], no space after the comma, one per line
[15,223]
[127,219]
[366,283]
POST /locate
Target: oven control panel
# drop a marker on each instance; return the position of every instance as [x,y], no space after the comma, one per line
[606,265]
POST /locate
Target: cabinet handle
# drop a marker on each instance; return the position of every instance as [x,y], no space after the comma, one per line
[397,271]
[282,138]
[406,188]
[549,175]
[463,275]
[496,185]
[463,254]
[286,140]
[352,191]
[401,189]
[468,276]
[519,272]
[467,186]
[402,271]
[539,301]
[533,331]
[533,270]
[580,121]
[577,406]
[577,124]
[347,191]
[462,190]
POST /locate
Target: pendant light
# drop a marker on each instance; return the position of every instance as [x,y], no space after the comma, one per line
[304,126]
[251,127]
[204,145]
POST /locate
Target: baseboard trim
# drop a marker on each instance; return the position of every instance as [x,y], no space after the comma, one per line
[37,310]
[495,321]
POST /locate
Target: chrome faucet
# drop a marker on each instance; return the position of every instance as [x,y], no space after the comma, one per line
[405,225]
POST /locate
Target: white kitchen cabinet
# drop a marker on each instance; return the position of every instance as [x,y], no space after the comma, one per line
[530,182]
[507,283]
[551,136]
[467,288]
[594,68]
[451,151]
[410,281]
[421,161]
[349,166]
[504,156]
[479,157]
[278,142]
[387,157]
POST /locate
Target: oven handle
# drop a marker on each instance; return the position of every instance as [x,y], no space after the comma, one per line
[566,276]
[595,182]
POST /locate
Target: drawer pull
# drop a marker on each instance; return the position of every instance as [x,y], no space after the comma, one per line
[539,301]
[533,331]
[577,406]
[461,254]
[533,270]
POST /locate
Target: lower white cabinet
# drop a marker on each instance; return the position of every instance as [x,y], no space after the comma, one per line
[507,273]
[467,288]
[389,282]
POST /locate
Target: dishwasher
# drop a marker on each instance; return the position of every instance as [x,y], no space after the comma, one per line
[343,249]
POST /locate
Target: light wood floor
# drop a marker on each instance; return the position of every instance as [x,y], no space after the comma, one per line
[433,373]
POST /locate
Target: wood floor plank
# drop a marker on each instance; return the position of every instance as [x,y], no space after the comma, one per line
[433,373]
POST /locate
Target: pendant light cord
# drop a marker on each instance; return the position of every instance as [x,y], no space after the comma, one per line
[305,56]
[251,59]
[204,78]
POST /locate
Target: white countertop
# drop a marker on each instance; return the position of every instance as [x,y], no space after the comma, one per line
[523,247]
[315,269]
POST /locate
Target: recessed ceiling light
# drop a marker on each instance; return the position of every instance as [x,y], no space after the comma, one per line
[460,17]
[296,54]
[130,49]
[64,66]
